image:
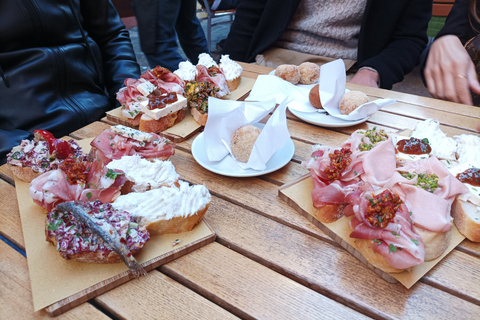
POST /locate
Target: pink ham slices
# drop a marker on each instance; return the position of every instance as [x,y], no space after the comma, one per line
[76,180]
[164,80]
[384,219]
[371,162]
[215,76]
[131,98]
[429,189]
[119,141]
[377,151]
[332,187]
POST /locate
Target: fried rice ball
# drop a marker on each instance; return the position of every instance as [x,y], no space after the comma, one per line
[309,72]
[242,142]
[288,72]
[314,97]
[351,100]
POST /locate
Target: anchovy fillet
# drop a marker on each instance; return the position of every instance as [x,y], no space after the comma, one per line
[105,231]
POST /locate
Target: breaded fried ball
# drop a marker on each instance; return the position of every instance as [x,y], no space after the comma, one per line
[309,72]
[288,72]
[351,100]
[242,142]
[314,97]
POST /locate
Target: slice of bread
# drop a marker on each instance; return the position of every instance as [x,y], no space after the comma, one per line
[435,243]
[201,118]
[234,83]
[466,217]
[330,213]
[167,209]
[24,173]
[148,124]
[375,259]
[135,121]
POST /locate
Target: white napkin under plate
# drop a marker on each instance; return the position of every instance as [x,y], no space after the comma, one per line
[332,89]
[225,116]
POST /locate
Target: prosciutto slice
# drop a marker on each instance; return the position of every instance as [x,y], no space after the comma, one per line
[113,146]
[218,80]
[379,163]
[332,192]
[52,187]
[165,80]
[397,242]
[429,210]
[131,98]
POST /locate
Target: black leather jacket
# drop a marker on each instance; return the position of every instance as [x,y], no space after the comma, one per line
[61,64]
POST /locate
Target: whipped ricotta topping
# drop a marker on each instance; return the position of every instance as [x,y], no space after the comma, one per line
[204,59]
[186,70]
[230,68]
[468,149]
[146,174]
[443,147]
[164,203]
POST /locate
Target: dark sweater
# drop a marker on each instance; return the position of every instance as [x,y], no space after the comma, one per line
[392,37]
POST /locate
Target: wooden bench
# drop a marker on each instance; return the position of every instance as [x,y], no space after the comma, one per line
[441,8]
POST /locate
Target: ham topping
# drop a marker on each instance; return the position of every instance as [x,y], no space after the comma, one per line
[382,217]
[217,78]
[165,80]
[113,146]
[429,189]
[377,151]
[94,182]
[130,98]
[346,178]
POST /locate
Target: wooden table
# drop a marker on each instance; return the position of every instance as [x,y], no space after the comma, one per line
[268,262]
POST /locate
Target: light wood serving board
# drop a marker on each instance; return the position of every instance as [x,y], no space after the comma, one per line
[188,126]
[60,285]
[178,133]
[298,195]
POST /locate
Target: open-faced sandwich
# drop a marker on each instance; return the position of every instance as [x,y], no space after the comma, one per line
[95,232]
[76,180]
[197,99]
[119,141]
[44,153]
[138,93]
[398,191]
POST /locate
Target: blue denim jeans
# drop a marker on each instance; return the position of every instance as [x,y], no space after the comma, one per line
[159,24]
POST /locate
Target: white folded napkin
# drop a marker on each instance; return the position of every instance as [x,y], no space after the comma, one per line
[332,89]
[268,87]
[225,116]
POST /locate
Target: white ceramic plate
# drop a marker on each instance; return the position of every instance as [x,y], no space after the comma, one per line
[324,119]
[227,167]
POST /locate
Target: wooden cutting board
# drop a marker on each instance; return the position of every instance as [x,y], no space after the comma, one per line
[60,285]
[298,195]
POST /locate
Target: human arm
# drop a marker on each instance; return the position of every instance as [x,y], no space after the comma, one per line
[393,36]
[449,72]
[103,24]
[367,77]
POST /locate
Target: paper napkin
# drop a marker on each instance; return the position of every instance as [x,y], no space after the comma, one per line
[268,87]
[332,89]
[224,117]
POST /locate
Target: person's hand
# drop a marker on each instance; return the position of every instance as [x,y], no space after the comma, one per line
[478,127]
[366,77]
[449,72]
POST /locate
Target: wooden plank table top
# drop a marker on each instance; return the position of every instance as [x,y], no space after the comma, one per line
[268,262]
